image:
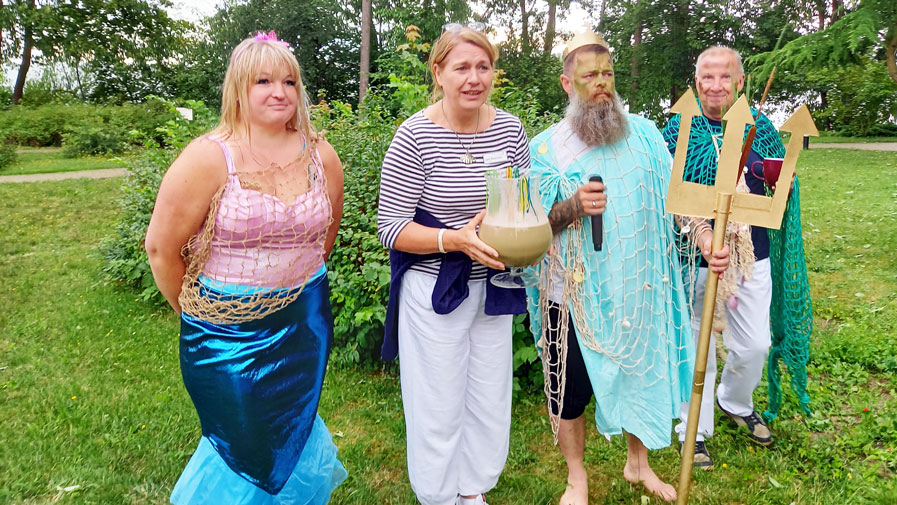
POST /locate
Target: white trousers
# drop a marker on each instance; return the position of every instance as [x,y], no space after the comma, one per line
[747,337]
[456,391]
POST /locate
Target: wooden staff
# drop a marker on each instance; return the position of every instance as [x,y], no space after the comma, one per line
[723,206]
[749,141]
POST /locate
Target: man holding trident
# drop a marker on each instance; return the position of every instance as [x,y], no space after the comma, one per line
[611,314]
[718,77]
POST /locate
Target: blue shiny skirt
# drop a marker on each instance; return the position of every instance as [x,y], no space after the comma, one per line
[256,387]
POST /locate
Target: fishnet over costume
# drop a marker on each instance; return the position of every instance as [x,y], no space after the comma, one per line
[629,308]
[261,241]
[791,310]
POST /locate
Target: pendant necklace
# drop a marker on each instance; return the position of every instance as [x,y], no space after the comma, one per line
[465,158]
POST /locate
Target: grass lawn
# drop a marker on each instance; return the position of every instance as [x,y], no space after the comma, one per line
[40,162]
[94,411]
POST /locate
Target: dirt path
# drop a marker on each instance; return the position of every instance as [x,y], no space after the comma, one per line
[104,173]
[865,146]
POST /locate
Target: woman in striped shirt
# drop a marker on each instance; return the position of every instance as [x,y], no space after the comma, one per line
[452,325]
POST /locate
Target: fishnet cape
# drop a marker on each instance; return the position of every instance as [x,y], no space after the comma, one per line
[628,304]
[791,310]
[265,230]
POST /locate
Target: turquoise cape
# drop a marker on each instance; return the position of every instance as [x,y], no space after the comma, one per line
[791,311]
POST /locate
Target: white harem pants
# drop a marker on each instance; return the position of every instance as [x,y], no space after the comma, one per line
[456,374]
[747,338]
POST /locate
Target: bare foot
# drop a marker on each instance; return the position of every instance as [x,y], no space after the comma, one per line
[643,473]
[577,493]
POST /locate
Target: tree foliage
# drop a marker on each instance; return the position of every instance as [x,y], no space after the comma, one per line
[124,44]
[671,33]
[869,31]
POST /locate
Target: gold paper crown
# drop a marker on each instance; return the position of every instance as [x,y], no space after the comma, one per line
[586,38]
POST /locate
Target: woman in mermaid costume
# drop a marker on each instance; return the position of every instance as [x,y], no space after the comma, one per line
[243,222]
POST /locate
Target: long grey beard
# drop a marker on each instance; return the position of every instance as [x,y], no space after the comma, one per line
[597,124]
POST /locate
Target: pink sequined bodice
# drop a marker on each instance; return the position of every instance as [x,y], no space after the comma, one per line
[263,242]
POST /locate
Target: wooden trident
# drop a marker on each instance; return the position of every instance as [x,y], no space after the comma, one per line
[721,203]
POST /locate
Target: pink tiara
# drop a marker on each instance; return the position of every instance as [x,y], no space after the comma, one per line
[272,37]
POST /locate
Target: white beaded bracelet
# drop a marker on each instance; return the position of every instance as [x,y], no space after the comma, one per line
[439,240]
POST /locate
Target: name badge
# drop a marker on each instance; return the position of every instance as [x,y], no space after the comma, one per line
[496,157]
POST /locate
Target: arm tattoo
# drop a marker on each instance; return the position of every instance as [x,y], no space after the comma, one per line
[564,213]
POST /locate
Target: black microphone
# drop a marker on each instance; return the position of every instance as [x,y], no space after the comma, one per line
[597,222]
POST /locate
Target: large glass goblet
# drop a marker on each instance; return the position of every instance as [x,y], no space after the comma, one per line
[515,225]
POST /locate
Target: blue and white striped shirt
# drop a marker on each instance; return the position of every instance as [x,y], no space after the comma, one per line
[423,169]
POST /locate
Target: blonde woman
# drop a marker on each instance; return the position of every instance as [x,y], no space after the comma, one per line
[243,222]
[451,327]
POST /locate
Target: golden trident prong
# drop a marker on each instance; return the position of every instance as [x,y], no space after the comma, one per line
[722,203]
[693,199]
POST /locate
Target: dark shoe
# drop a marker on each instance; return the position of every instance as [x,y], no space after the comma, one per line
[702,457]
[757,430]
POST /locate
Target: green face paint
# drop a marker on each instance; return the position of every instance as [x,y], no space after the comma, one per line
[593,77]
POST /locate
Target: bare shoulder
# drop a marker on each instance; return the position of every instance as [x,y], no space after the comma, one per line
[195,176]
[332,163]
[204,156]
[201,163]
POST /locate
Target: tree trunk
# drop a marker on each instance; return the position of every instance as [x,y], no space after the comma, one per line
[634,64]
[524,35]
[603,15]
[682,62]
[549,27]
[78,78]
[891,52]
[365,50]
[820,13]
[19,88]
[837,11]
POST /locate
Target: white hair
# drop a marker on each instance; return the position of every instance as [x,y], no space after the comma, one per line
[717,50]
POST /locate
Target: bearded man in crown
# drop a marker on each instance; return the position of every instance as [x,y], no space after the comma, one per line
[611,312]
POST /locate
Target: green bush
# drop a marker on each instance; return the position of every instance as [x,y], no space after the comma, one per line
[41,126]
[94,137]
[7,155]
[144,121]
[126,260]
[883,130]
[43,92]
[861,99]
[359,265]
[86,127]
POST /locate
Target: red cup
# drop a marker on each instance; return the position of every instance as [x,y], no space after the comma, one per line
[772,168]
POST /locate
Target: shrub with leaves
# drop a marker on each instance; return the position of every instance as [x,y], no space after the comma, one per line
[861,99]
[94,137]
[359,265]
[7,155]
[86,128]
[125,256]
[41,126]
